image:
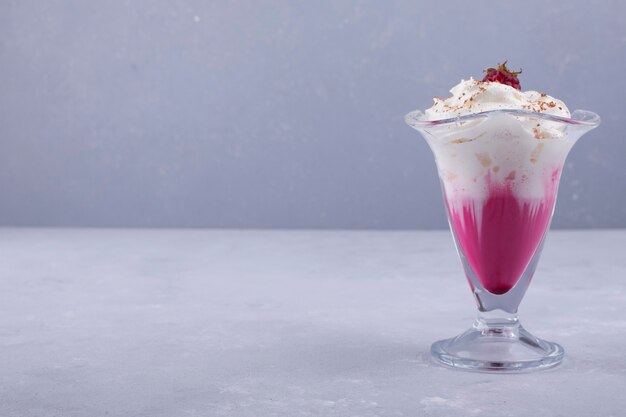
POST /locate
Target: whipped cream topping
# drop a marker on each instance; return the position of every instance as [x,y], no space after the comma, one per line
[473,96]
[522,153]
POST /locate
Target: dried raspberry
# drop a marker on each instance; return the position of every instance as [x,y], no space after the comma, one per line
[503,75]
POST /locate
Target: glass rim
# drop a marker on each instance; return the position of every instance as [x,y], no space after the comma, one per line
[579,117]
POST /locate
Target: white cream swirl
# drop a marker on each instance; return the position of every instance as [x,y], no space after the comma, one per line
[473,96]
[519,151]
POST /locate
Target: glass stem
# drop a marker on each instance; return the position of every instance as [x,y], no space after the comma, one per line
[497,323]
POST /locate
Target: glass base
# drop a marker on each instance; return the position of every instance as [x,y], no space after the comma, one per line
[497,348]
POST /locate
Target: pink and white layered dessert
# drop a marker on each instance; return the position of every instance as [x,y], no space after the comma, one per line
[500,172]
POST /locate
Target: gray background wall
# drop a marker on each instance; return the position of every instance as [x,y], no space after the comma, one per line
[284,114]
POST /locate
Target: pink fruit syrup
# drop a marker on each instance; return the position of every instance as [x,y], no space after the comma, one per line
[501,235]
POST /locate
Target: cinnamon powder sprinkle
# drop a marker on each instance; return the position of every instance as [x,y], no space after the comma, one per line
[484,159]
[535,153]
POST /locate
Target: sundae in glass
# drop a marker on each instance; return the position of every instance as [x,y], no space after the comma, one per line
[499,152]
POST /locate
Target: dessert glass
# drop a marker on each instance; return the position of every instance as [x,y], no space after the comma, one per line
[500,172]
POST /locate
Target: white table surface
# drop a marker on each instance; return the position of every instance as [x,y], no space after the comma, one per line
[290,323]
